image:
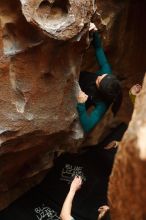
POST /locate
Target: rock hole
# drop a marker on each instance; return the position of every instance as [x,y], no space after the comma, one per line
[11,43]
[17,39]
[47,76]
[54,9]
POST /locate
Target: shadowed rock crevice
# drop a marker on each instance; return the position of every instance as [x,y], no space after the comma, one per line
[127,182]
[17,34]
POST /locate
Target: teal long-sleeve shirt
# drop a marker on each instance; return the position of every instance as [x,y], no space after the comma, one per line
[89,121]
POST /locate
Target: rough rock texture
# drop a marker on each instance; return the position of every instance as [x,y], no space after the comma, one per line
[38,106]
[38,65]
[127,193]
[59,19]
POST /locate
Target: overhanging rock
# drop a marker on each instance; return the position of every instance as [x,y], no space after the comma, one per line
[59,19]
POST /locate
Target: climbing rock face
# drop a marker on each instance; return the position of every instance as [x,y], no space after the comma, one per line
[37,101]
[61,20]
[127,193]
[42,44]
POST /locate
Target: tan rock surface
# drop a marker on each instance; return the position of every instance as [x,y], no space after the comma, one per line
[61,20]
[37,100]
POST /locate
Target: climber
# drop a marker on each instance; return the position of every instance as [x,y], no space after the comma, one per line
[67,205]
[100,89]
[134,91]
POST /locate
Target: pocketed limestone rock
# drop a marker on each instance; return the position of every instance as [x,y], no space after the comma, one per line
[59,19]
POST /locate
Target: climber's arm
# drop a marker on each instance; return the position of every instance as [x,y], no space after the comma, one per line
[67,205]
[100,55]
[88,121]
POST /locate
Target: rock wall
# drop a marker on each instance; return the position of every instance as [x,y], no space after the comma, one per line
[61,20]
[127,194]
[37,90]
[42,49]
[127,182]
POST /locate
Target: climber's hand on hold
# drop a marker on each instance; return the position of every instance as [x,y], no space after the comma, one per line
[76,183]
[135,90]
[92,27]
[82,97]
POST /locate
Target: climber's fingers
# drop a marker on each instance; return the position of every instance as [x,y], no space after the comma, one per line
[82,97]
[92,27]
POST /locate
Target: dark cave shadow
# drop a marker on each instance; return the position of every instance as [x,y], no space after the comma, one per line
[94,164]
